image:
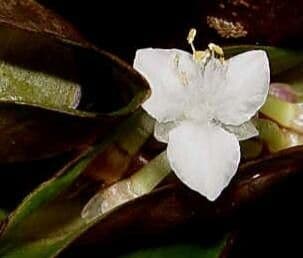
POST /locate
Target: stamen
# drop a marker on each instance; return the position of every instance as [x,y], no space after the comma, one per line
[183,78]
[182,75]
[191,37]
[202,56]
[216,50]
[199,56]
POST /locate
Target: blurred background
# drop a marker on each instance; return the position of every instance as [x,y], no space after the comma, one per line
[124,26]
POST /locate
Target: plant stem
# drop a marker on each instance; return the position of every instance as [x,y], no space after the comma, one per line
[140,183]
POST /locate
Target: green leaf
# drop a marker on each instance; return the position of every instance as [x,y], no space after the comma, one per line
[173,204]
[294,78]
[180,251]
[286,114]
[26,80]
[50,217]
[272,135]
[29,15]
[251,149]
[275,137]
[3,214]
[280,59]
[55,81]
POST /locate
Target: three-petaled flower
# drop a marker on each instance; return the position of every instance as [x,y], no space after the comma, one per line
[203,109]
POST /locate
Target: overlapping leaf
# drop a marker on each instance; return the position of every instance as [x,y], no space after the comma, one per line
[180,251]
[57,92]
[41,227]
[50,217]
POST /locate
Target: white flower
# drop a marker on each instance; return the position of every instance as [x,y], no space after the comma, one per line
[203,110]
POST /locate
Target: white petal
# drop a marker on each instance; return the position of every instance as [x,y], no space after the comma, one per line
[246,88]
[214,78]
[204,157]
[244,131]
[162,130]
[172,75]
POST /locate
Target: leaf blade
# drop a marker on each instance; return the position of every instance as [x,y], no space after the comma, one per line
[21,229]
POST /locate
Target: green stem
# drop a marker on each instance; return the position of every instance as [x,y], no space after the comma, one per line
[140,183]
[147,178]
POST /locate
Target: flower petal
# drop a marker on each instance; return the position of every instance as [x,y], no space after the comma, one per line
[246,88]
[243,132]
[204,157]
[172,75]
[161,131]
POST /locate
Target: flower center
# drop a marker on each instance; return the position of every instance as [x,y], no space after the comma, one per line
[200,56]
[201,113]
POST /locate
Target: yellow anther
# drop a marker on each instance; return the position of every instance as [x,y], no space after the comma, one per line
[191,36]
[190,39]
[199,56]
[216,49]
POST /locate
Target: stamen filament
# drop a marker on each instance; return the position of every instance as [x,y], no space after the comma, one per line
[192,48]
